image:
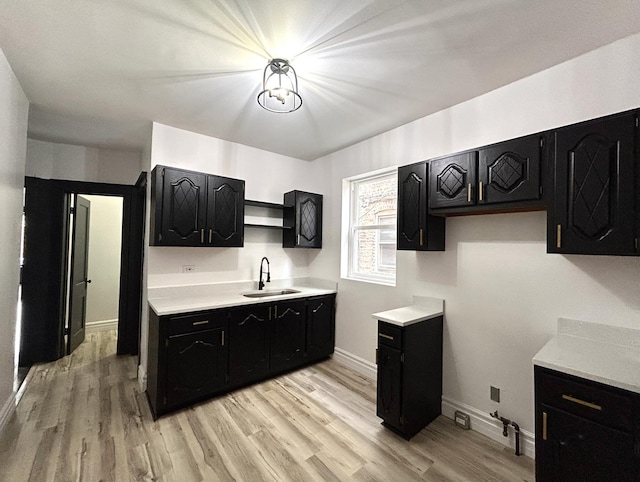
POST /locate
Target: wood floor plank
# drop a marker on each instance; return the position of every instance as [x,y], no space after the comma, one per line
[83,418]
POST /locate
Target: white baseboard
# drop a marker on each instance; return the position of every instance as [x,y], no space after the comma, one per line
[7,411]
[360,365]
[483,423]
[102,325]
[142,378]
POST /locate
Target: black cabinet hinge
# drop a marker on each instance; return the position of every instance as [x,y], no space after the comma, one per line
[72,210]
[67,331]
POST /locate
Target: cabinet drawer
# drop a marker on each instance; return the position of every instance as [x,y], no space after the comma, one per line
[389,335]
[590,400]
[179,325]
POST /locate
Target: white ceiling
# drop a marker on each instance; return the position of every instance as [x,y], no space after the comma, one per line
[97,71]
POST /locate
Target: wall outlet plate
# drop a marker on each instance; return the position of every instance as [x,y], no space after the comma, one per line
[462,420]
[495,394]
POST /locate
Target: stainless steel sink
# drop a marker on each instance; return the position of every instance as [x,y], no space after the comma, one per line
[266,293]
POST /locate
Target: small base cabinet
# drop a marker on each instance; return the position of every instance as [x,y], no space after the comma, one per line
[409,359]
[585,430]
[195,356]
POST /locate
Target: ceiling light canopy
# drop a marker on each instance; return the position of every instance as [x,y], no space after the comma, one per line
[279,87]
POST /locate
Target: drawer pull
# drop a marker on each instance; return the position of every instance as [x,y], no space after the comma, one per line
[544,425]
[388,337]
[196,323]
[581,402]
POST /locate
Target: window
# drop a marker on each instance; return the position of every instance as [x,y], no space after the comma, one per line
[369,237]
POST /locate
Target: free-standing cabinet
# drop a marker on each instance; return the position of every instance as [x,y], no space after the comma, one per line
[417,230]
[195,356]
[191,208]
[595,201]
[585,430]
[302,216]
[409,384]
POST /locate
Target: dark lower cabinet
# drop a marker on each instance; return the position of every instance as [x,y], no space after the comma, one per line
[417,230]
[186,381]
[585,431]
[249,330]
[409,358]
[288,327]
[195,356]
[321,324]
[594,201]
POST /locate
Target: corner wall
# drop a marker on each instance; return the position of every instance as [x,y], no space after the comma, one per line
[14,111]
[503,293]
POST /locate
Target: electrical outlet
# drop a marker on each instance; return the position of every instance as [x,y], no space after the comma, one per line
[188,268]
[495,394]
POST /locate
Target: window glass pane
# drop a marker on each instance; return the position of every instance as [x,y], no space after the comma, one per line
[387,257]
[374,197]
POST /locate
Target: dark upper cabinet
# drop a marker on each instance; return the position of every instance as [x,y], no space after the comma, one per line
[585,430]
[510,171]
[302,219]
[225,211]
[249,343]
[452,181]
[321,323]
[594,192]
[195,209]
[417,230]
[288,329]
[489,178]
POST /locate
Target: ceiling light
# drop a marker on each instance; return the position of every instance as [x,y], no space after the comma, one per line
[279,87]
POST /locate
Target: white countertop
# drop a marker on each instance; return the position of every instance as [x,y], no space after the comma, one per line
[423,308]
[602,353]
[185,299]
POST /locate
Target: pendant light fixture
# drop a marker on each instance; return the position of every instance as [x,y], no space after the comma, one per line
[279,87]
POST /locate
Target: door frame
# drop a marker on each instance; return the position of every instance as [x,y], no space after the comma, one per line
[131,258]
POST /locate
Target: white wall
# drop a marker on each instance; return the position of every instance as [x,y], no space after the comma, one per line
[48,160]
[105,238]
[14,110]
[503,292]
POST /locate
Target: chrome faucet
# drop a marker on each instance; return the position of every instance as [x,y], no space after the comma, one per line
[261,283]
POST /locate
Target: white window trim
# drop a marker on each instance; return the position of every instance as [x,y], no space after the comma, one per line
[348,231]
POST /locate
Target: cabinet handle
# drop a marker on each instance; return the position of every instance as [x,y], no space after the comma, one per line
[269,313]
[202,236]
[275,311]
[388,337]
[582,402]
[469,188]
[559,236]
[222,342]
[196,323]
[376,356]
[210,235]
[421,237]
[544,425]
[298,240]
[480,190]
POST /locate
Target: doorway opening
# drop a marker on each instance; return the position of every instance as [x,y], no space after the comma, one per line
[49,292]
[93,270]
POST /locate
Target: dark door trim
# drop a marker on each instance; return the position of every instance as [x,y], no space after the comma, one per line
[129,310]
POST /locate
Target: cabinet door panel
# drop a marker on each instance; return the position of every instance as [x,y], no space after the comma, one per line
[183,208]
[593,209]
[309,220]
[320,327]
[248,343]
[389,385]
[196,365]
[510,171]
[452,181]
[412,206]
[225,212]
[576,449]
[287,334]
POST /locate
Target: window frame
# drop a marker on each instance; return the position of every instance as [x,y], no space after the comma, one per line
[350,241]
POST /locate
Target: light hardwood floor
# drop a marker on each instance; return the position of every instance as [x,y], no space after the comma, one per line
[84,418]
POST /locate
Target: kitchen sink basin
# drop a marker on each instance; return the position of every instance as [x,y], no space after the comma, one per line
[267,293]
